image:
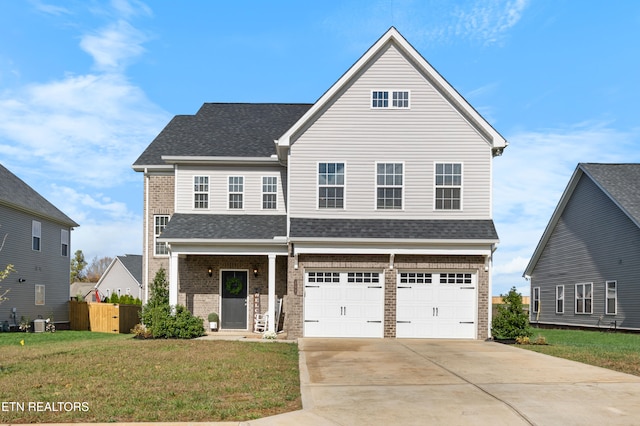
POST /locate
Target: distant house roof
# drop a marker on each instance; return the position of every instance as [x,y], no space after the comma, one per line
[619,182]
[224,227]
[223,130]
[15,193]
[133,263]
[393,229]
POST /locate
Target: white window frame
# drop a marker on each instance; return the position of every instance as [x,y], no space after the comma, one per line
[235,190]
[269,189]
[607,298]
[36,235]
[386,185]
[40,299]
[64,242]
[560,299]
[201,192]
[535,300]
[444,185]
[390,99]
[584,299]
[321,185]
[157,230]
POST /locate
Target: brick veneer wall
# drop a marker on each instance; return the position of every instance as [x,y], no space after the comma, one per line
[201,293]
[294,301]
[161,201]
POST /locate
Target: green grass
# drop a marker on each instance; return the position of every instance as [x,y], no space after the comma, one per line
[616,351]
[121,379]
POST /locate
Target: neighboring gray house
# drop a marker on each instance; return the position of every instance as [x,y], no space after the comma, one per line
[369,212]
[584,271]
[37,238]
[86,291]
[123,276]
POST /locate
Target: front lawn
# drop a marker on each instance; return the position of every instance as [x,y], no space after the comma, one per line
[76,376]
[616,351]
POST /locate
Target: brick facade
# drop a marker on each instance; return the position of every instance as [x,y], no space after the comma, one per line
[160,202]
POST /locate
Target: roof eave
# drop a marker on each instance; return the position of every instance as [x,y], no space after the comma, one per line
[198,160]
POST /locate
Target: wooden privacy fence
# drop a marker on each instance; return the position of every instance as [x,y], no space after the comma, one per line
[103,317]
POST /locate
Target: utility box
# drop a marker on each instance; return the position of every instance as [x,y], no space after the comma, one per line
[38,326]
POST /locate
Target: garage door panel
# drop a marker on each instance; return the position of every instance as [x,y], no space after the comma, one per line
[348,304]
[436,305]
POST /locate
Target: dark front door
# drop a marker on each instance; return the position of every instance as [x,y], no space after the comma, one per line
[233,314]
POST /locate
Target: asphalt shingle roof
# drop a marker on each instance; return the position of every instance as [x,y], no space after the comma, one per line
[394,229]
[133,263]
[621,182]
[224,130]
[15,192]
[224,226]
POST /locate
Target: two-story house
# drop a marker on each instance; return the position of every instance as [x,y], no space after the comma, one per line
[35,238]
[369,212]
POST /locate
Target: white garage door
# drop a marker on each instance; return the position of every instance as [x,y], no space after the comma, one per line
[436,305]
[343,304]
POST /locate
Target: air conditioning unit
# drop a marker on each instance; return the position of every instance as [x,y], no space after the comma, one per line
[38,326]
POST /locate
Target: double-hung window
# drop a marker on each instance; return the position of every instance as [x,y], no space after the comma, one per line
[40,294]
[535,300]
[269,192]
[612,297]
[236,192]
[448,179]
[201,192]
[64,242]
[584,297]
[160,222]
[331,185]
[36,235]
[389,182]
[559,299]
[399,99]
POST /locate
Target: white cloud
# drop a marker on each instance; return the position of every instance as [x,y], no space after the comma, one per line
[114,46]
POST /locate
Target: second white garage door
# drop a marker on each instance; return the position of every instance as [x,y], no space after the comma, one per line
[343,304]
[436,305]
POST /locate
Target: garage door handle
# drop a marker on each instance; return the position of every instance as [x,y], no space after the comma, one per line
[405,287]
[467,288]
[311,320]
[378,322]
[374,286]
[466,322]
[312,286]
[403,322]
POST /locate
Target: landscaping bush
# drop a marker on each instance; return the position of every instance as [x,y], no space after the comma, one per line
[511,322]
[159,319]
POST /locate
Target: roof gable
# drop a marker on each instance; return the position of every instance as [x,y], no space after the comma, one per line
[15,193]
[619,182]
[393,37]
[236,130]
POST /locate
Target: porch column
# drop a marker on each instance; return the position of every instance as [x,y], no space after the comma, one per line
[272,293]
[173,280]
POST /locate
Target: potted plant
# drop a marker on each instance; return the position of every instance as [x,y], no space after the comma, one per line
[213,321]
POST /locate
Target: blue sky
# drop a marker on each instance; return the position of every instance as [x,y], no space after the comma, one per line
[86,85]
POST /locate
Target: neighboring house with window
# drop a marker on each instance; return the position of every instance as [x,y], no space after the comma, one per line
[35,239]
[369,212]
[123,276]
[584,271]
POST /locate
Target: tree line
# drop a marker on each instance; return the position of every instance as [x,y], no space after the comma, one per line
[81,271]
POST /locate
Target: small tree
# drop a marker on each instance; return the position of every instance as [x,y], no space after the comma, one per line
[4,273]
[97,268]
[511,321]
[159,319]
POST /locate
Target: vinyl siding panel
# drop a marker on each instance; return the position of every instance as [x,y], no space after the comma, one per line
[430,131]
[594,241]
[218,189]
[46,267]
[118,277]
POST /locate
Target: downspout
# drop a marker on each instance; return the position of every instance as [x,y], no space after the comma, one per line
[145,274]
[489,265]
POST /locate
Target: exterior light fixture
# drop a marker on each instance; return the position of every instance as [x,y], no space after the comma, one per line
[255,272]
[210,271]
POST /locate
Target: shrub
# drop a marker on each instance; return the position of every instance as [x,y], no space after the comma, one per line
[213,317]
[159,319]
[114,298]
[511,321]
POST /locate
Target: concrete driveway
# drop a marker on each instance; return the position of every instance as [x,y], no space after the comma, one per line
[452,382]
